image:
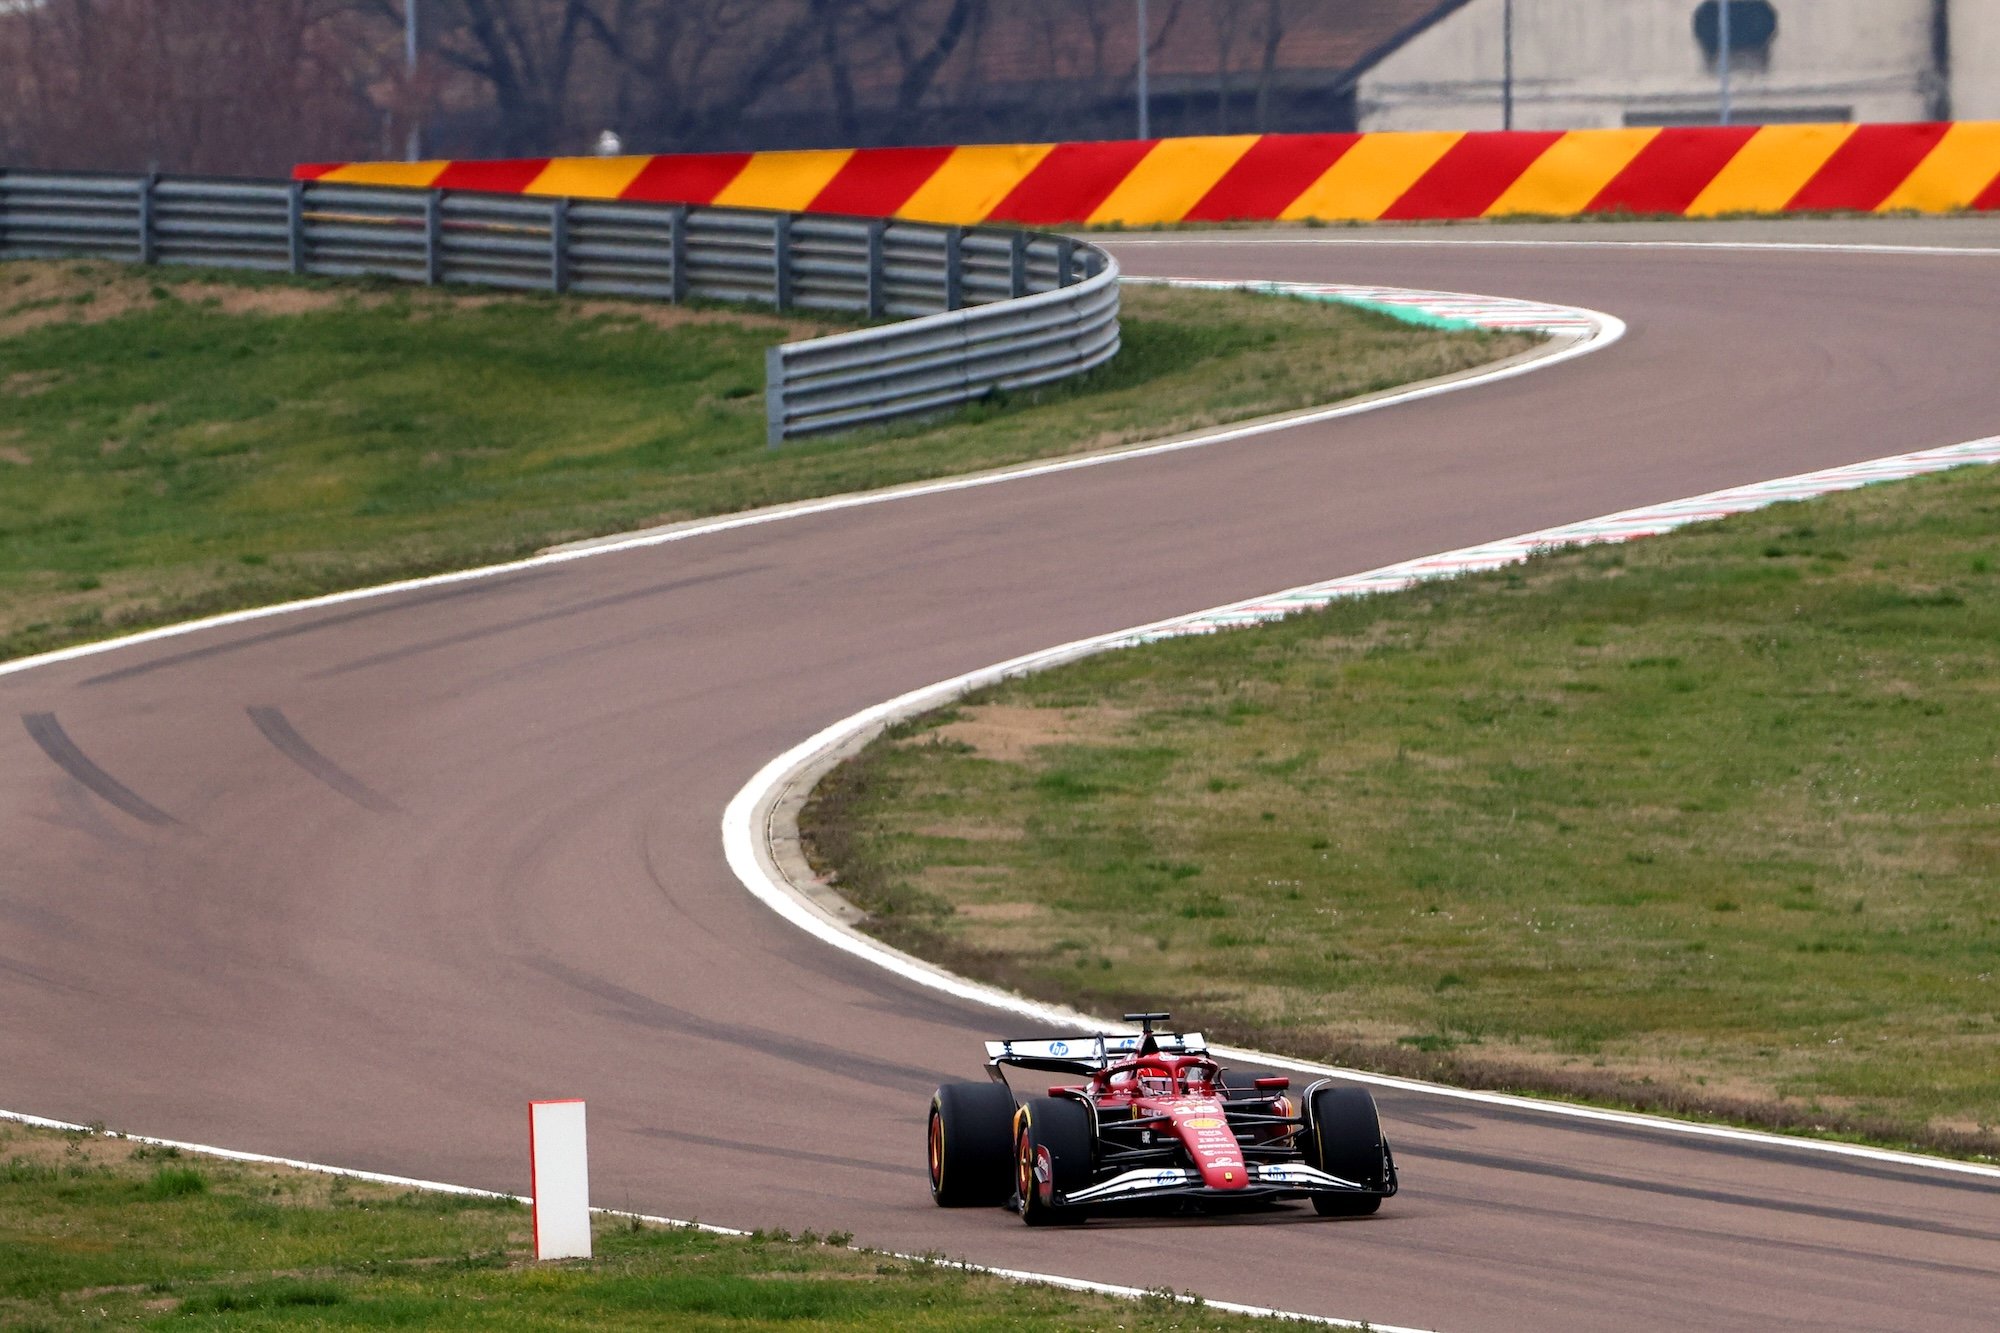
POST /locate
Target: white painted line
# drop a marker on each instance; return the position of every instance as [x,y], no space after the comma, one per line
[236,1155]
[1227,1307]
[746,822]
[745,834]
[1609,329]
[465,1191]
[1241,239]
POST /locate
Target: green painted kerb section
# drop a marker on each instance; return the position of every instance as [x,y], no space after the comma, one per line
[1408,314]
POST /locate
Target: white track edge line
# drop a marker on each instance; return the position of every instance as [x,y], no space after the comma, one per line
[1571,243]
[746,844]
[1609,330]
[467,1191]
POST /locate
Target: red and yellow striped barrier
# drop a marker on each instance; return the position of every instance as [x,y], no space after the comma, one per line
[1693,172]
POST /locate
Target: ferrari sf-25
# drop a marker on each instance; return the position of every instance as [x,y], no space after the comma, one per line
[1151,1121]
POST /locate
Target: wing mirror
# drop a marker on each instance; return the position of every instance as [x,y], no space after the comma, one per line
[1272,1084]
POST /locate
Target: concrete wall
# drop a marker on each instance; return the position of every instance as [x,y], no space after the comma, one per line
[1603,63]
[1975,59]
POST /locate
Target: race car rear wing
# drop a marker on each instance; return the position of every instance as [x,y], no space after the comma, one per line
[1087,1055]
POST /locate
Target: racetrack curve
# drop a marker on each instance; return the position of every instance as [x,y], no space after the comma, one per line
[350,885]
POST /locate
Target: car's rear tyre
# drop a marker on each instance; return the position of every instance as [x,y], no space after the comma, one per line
[970,1145]
[1052,1149]
[1346,1141]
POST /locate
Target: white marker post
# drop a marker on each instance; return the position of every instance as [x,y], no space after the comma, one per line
[559,1179]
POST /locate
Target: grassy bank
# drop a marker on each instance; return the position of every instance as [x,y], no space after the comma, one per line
[175,443]
[1703,824]
[96,1230]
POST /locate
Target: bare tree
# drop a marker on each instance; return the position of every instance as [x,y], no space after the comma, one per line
[1274,37]
[527,51]
[255,85]
[836,56]
[1228,19]
[686,70]
[521,54]
[923,53]
[187,85]
[898,48]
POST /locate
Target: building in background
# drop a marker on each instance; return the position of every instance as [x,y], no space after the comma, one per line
[1581,64]
[1973,39]
[254,85]
[1030,70]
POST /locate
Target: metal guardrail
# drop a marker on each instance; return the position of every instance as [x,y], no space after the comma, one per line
[923,365]
[983,311]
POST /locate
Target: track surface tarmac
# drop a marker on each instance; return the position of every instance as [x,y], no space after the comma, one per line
[351,885]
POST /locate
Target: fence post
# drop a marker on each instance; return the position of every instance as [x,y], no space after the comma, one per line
[433,236]
[559,245]
[781,261]
[677,252]
[954,267]
[295,227]
[878,295]
[1065,260]
[1017,266]
[774,396]
[148,246]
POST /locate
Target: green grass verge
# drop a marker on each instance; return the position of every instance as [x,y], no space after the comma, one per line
[176,443]
[97,1230]
[1705,824]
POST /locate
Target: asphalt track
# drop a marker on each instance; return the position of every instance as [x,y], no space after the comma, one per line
[353,884]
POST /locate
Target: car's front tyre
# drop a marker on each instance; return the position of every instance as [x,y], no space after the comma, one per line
[1347,1142]
[1052,1151]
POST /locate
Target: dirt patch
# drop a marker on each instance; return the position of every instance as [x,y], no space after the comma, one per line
[17,456]
[84,292]
[75,1150]
[46,293]
[233,300]
[789,1276]
[970,832]
[660,315]
[1002,911]
[28,383]
[1011,734]
[65,293]
[64,1149]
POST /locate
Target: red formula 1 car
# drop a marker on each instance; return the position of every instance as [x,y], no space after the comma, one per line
[1154,1119]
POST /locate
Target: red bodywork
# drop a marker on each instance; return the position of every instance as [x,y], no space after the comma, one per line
[1182,1095]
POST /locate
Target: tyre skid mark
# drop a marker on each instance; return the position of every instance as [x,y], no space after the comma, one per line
[48,733]
[285,738]
[745,822]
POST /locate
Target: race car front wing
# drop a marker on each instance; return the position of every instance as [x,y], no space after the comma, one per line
[1265,1180]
